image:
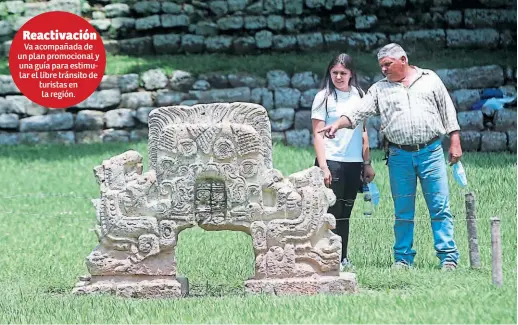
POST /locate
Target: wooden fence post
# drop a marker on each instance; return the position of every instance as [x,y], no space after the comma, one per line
[471,220]
[496,250]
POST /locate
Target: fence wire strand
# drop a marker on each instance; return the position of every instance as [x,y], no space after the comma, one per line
[91,214]
[201,290]
[75,196]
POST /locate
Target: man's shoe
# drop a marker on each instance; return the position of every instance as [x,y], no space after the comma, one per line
[449,266]
[401,265]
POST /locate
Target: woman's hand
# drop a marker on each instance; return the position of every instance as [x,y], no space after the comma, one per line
[327,176]
[368,173]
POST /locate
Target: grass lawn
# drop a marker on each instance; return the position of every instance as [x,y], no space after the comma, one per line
[259,65]
[46,217]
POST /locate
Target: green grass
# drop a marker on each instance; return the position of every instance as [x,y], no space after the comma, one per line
[295,62]
[45,240]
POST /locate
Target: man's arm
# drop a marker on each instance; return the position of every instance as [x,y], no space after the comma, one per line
[356,110]
[359,109]
[368,171]
[449,120]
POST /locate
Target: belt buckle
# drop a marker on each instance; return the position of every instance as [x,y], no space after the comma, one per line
[417,147]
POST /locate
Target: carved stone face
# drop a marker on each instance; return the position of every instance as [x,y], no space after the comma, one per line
[187,147]
[270,177]
[224,149]
[210,200]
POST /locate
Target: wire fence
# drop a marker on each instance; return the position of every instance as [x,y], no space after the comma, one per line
[78,196]
[90,214]
[201,290]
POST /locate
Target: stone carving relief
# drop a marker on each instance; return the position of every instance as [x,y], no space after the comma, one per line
[211,166]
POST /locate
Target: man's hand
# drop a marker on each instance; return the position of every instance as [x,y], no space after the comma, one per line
[330,130]
[455,154]
[455,148]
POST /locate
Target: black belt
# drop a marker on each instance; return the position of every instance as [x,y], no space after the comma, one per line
[415,147]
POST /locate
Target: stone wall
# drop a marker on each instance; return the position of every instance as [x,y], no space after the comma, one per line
[119,109]
[255,26]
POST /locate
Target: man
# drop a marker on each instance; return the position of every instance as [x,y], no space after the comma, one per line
[416,111]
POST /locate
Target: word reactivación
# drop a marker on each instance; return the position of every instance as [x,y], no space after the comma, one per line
[56,35]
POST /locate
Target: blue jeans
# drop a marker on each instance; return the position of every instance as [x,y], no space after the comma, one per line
[427,164]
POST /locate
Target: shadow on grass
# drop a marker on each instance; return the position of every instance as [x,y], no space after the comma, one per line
[196,290]
[207,289]
[384,286]
[56,289]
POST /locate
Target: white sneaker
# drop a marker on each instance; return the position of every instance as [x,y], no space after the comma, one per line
[401,265]
[345,265]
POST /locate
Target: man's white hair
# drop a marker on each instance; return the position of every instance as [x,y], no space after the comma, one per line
[392,50]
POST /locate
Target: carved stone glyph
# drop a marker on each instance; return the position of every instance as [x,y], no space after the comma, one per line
[211,166]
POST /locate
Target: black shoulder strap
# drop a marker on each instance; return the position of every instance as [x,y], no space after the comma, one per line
[326,105]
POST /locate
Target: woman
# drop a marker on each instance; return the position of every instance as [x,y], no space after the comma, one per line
[345,159]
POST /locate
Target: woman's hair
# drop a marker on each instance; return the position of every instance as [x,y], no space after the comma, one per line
[327,83]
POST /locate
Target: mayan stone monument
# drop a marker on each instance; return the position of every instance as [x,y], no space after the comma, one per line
[211,166]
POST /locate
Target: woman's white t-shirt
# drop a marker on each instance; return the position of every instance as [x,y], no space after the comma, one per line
[347,144]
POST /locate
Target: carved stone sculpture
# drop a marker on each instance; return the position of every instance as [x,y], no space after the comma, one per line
[211,166]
